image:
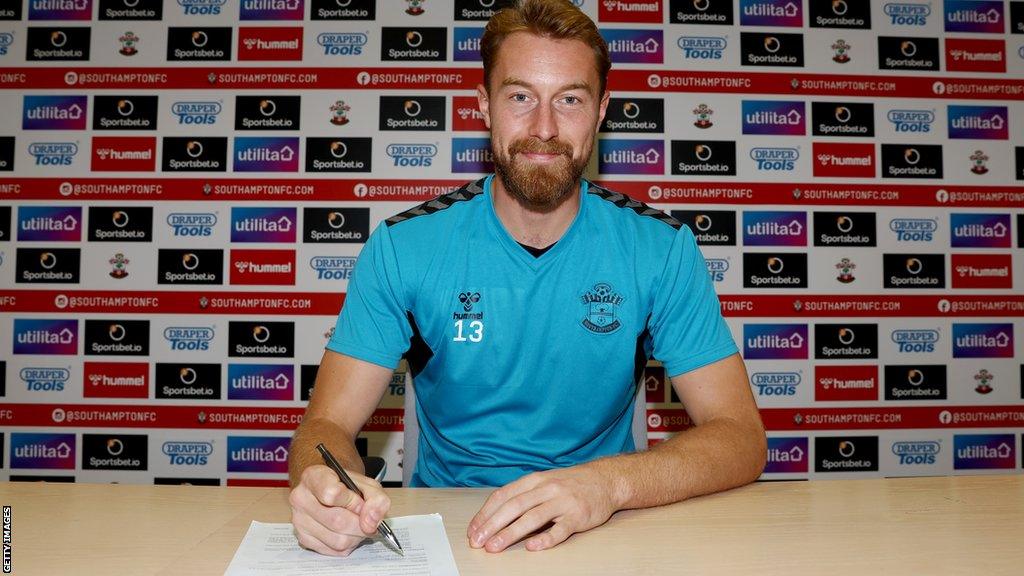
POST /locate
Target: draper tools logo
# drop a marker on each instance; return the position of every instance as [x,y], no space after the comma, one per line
[771,13]
[472,155]
[911,161]
[704,157]
[916,453]
[979,230]
[914,270]
[44,379]
[38,336]
[982,340]
[914,229]
[54,113]
[787,456]
[58,44]
[124,113]
[775,341]
[333,267]
[50,451]
[187,380]
[845,341]
[267,112]
[767,228]
[117,337]
[120,224]
[188,453]
[48,265]
[771,49]
[844,229]
[260,154]
[843,119]
[206,154]
[343,10]
[846,454]
[190,266]
[263,224]
[131,10]
[702,47]
[258,454]
[59,9]
[339,154]
[912,121]
[710,227]
[335,225]
[115,452]
[718,12]
[979,122]
[907,13]
[192,223]
[201,7]
[272,10]
[261,339]
[50,223]
[637,46]
[189,338]
[839,14]
[984,452]
[631,156]
[906,53]
[202,44]
[418,44]
[915,382]
[342,43]
[197,112]
[775,270]
[412,113]
[915,341]
[634,115]
[261,382]
[774,117]
[411,155]
[776,383]
[984,16]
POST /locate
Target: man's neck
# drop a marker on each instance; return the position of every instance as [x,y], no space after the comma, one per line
[532,226]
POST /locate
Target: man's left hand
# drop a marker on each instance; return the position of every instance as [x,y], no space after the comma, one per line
[565,501]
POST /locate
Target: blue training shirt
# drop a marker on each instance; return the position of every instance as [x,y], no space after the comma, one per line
[526,363]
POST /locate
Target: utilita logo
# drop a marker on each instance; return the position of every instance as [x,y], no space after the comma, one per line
[717,12]
[631,156]
[771,13]
[979,122]
[973,55]
[984,16]
[42,451]
[55,113]
[258,454]
[270,44]
[261,382]
[981,271]
[271,10]
[36,336]
[980,230]
[773,117]
[845,383]
[466,44]
[982,340]
[263,267]
[59,9]
[787,456]
[844,160]
[643,46]
[984,452]
[115,380]
[774,228]
[123,154]
[259,154]
[50,223]
[775,341]
[472,155]
[263,224]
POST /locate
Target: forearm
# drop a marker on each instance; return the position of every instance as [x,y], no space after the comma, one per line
[718,455]
[302,452]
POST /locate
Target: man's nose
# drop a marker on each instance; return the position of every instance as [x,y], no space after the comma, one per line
[543,125]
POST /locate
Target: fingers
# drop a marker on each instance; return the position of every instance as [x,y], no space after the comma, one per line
[526,524]
[520,511]
[331,519]
[494,502]
[550,538]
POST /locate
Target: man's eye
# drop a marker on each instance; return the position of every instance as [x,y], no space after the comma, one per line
[519,97]
[572,100]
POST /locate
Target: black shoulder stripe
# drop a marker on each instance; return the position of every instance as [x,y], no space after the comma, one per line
[465,192]
[623,201]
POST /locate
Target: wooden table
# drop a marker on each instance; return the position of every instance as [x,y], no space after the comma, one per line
[922,526]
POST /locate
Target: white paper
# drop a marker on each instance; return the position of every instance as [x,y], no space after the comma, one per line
[272,549]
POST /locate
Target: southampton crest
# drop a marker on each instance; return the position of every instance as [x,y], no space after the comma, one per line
[601,306]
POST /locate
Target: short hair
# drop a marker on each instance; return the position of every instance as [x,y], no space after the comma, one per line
[555,19]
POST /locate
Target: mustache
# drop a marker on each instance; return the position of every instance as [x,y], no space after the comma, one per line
[534,146]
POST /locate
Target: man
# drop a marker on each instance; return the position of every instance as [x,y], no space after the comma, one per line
[527,304]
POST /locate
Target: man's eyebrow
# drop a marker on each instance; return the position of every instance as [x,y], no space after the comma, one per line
[513,81]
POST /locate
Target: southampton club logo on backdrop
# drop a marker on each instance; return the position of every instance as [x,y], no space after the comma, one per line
[601,305]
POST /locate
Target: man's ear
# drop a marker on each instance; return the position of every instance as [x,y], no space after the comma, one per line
[484,104]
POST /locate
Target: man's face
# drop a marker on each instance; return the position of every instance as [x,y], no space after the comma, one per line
[543,109]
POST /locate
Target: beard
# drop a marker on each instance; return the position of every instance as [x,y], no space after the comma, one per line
[540,187]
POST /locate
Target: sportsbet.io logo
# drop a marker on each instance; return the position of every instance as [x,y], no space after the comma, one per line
[601,304]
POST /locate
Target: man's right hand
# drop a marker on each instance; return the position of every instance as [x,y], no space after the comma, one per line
[331,519]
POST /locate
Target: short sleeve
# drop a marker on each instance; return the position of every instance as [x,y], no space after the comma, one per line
[373,325]
[687,328]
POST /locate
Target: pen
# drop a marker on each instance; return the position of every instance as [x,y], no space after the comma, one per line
[383,529]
